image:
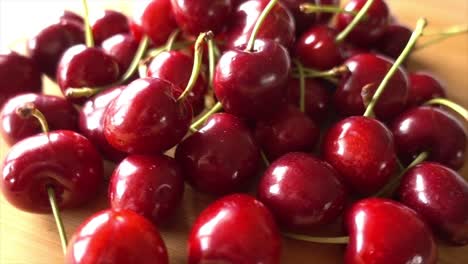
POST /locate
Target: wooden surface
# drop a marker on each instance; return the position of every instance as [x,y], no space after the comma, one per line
[33,239]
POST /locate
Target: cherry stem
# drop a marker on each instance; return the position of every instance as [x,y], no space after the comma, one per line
[217,107]
[300,70]
[258,25]
[311,73]
[311,8]
[58,219]
[442,35]
[172,38]
[211,61]
[264,158]
[451,105]
[197,63]
[420,25]
[360,15]
[320,240]
[88,32]
[28,110]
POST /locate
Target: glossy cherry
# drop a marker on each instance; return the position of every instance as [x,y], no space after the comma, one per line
[393,40]
[302,191]
[386,232]
[71,17]
[18,74]
[305,21]
[122,47]
[252,84]
[361,149]
[60,114]
[62,160]
[235,229]
[107,24]
[433,130]
[146,118]
[370,69]
[221,157]
[118,237]
[423,87]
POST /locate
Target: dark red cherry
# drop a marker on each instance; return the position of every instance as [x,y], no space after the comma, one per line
[71,17]
[117,237]
[235,229]
[81,66]
[305,21]
[318,49]
[288,130]
[370,69]
[423,87]
[91,122]
[18,74]
[221,157]
[432,130]
[62,160]
[48,46]
[151,186]
[440,196]
[349,50]
[146,118]
[370,29]
[107,24]
[386,232]
[252,84]
[361,149]
[278,25]
[394,40]
[302,191]
[122,47]
[60,114]
[197,16]
[176,67]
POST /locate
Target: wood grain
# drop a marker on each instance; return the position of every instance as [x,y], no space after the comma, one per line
[32,239]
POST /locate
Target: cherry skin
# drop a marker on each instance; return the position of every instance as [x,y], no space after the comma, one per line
[302,191]
[433,130]
[118,237]
[122,47]
[107,24]
[62,160]
[235,229]
[288,130]
[71,17]
[440,196]
[91,123]
[146,118]
[361,149]
[423,87]
[365,69]
[317,48]
[18,74]
[221,157]
[197,16]
[394,40]
[305,21]
[251,84]
[176,67]
[60,115]
[386,232]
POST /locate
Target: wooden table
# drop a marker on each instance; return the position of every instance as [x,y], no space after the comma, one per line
[33,239]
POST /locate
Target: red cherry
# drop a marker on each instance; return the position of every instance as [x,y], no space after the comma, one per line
[221,157]
[302,192]
[117,237]
[361,149]
[235,229]
[433,130]
[393,40]
[71,17]
[62,160]
[107,24]
[383,231]
[252,84]
[305,21]
[146,118]
[423,87]
[122,47]
[60,114]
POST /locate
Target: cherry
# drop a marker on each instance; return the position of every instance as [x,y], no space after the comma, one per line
[367,71]
[221,157]
[305,21]
[370,29]
[122,47]
[71,17]
[91,122]
[288,130]
[235,229]
[197,16]
[302,191]
[361,149]
[60,114]
[432,130]
[118,237]
[145,118]
[422,88]
[393,40]
[151,186]
[18,74]
[107,24]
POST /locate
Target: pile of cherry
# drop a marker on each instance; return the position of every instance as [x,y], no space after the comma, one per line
[273,76]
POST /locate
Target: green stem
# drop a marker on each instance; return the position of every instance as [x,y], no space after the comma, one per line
[360,15]
[311,8]
[311,73]
[171,40]
[217,107]
[211,61]
[420,25]
[88,32]
[264,158]
[29,109]
[300,70]
[58,219]
[258,24]
[320,240]
[453,30]
[451,105]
